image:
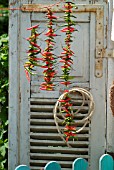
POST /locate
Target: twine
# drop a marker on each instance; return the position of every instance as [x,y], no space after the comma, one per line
[86,96]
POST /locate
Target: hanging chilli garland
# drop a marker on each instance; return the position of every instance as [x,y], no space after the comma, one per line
[66,55]
[66,59]
[66,109]
[70,129]
[34,49]
[48,57]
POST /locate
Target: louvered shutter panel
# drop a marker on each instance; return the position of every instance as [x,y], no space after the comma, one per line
[45,142]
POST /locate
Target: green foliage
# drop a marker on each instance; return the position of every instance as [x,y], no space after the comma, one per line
[4,24]
[4,3]
[3,100]
[3,145]
[3,17]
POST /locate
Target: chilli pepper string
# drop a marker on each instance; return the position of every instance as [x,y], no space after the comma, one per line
[66,55]
[66,109]
[66,59]
[34,50]
[48,57]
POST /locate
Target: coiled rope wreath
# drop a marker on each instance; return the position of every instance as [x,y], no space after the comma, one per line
[60,117]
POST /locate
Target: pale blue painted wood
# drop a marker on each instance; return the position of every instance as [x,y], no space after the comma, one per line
[80,164]
[22,167]
[52,165]
[106,162]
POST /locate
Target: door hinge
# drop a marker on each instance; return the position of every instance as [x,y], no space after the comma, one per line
[99,67]
[104,53]
[99,62]
[108,53]
[100,54]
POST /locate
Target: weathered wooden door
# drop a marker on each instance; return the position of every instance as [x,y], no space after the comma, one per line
[33,138]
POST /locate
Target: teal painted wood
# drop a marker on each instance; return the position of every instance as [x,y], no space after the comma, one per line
[80,164]
[22,167]
[106,162]
[53,165]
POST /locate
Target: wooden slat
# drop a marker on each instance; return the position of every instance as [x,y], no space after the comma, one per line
[41,107]
[35,128]
[76,143]
[50,115]
[76,100]
[43,100]
[52,123]
[42,167]
[50,149]
[40,162]
[55,136]
[50,108]
[56,156]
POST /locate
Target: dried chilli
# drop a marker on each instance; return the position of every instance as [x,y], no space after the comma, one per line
[34,50]
[66,55]
[66,109]
[66,59]
[48,58]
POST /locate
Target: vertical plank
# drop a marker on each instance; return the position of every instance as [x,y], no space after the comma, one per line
[19,87]
[53,165]
[110,118]
[13,132]
[110,14]
[80,164]
[25,22]
[98,88]
[106,162]
[22,167]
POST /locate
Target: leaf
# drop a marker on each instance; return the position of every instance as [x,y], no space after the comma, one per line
[71,77]
[73,16]
[3,150]
[6,123]
[2,164]
[6,143]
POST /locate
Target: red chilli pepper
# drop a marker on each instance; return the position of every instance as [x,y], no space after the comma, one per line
[34,49]
[33,27]
[67,61]
[27,75]
[71,29]
[47,54]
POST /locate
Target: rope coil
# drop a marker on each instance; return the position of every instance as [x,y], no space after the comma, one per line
[86,97]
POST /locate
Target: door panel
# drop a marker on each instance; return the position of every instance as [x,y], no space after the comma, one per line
[80,46]
[37,140]
[81,58]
